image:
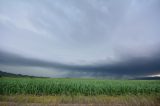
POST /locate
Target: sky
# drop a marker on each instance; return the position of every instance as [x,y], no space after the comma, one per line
[80,38]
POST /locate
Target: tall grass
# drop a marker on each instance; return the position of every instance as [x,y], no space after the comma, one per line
[44,86]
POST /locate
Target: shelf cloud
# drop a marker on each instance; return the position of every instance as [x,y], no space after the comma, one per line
[86,38]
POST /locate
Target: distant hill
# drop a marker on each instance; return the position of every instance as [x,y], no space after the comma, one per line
[6,74]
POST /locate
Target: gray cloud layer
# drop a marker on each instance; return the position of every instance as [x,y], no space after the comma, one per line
[94,37]
[133,67]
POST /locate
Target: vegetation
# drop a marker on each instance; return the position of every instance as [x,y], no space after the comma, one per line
[83,87]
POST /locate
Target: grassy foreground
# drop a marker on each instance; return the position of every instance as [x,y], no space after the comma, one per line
[83,87]
[78,92]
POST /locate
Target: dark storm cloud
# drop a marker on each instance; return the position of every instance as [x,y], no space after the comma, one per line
[13,59]
[131,67]
[80,37]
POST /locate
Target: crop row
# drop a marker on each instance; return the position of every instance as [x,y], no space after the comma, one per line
[46,86]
